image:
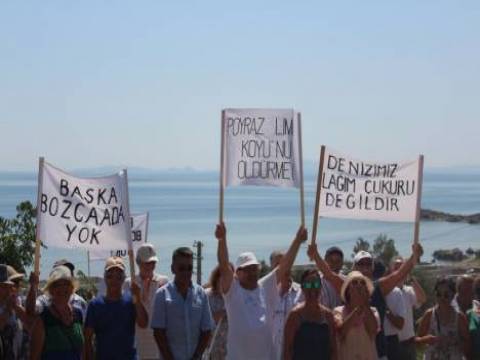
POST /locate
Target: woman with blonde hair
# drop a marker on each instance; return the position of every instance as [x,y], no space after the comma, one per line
[357,323]
[58,332]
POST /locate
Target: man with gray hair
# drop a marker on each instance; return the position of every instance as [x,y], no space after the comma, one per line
[288,294]
[463,299]
[149,282]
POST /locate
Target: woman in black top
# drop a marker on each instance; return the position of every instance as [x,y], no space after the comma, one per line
[309,330]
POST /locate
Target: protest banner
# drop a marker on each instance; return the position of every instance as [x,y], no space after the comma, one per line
[88,213]
[139,227]
[261,147]
[348,188]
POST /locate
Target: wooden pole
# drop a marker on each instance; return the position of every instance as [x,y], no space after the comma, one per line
[36,261]
[418,210]
[88,263]
[317,198]
[199,258]
[146,227]
[222,167]
[130,245]
[300,165]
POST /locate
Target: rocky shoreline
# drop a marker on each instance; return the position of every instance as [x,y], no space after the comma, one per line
[433,215]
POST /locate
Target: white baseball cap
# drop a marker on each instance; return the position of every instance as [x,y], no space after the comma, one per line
[146,253]
[246,259]
[362,254]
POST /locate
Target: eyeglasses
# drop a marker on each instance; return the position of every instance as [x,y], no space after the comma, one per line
[312,284]
[118,276]
[364,263]
[59,284]
[185,268]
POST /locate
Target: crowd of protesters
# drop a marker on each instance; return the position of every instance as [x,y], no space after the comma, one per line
[365,314]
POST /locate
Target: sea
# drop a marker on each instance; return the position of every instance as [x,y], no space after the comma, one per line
[183,208]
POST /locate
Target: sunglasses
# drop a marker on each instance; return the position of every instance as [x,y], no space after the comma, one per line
[312,284]
[114,276]
[358,282]
[444,294]
[185,268]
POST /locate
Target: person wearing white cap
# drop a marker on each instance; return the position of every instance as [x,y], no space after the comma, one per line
[112,317]
[363,262]
[146,259]
[250,302]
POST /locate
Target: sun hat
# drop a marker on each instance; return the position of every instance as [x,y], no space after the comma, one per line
[145,254]
[4,278]
[354,275]
[66,263]
[246,259]
[58,273]
[14,274]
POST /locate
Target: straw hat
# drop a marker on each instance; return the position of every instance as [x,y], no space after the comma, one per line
[14,274]
[60,272]
[355,275]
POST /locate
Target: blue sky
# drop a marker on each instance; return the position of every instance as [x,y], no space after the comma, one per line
[142,83]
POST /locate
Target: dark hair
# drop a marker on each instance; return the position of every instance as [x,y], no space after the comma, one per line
[214,280]
[378,269]
[334,250]
[182,252]
[447,281]
[307,273]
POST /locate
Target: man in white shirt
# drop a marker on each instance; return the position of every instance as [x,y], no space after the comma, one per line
[250,302]
[394,322]
[413,297]
[283,297]
[149,281]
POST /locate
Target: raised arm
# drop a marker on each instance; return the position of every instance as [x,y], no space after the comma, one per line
[419,292]
[322,265]
[387,283]
[141,315]
[289,258]
[30,302]
[226,272]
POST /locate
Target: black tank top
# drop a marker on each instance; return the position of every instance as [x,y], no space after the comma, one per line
[312,340]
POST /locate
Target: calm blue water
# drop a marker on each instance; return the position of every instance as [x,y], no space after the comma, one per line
[184,208]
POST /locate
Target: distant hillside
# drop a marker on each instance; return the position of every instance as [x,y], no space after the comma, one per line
[433,215]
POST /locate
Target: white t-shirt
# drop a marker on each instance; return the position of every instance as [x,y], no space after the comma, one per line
[410,301]
[249,320]
[397,306]
[278,308]
[145,342]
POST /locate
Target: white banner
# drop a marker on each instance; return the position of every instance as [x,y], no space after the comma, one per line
[89,213]
[261,147]
[139,225]
[356,189]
